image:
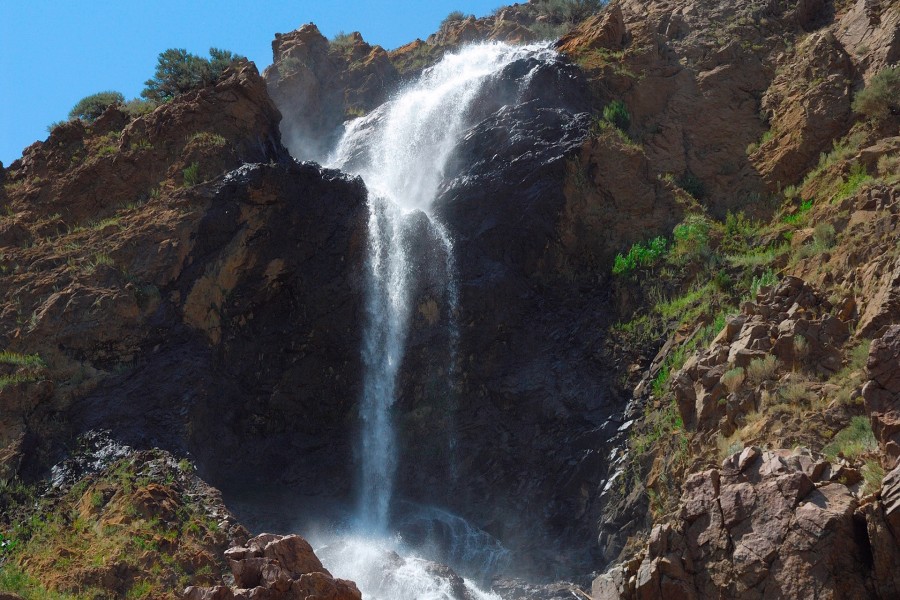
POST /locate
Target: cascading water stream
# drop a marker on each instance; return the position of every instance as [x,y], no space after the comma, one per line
[401,151]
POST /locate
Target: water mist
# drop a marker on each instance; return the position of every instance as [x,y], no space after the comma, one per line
[401,151]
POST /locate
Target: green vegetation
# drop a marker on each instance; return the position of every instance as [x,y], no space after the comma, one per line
[617,113]
[453,17]
[178,71]
[567,11]
[881,97]
[26,368]
[191,175]
[110,518]
[557,17]
[640,255]
[341,40]
[21,360]
[208,139]
[761,369]
[137,107]
[858,176]
[733,378]
[853,441]
[90,107]
[800,215]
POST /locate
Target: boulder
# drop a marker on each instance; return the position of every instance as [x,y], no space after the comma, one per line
[767,524]
[881,392]
[275,567]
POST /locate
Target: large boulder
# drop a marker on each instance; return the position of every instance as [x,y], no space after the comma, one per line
[882,391]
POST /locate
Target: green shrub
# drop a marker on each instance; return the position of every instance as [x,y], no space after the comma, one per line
[733,378]
[91,107]
[456,15]
[853,441]
[567,11]
[178,71]
[766,279]
[858,176]
[800,215]
[881,97]
[191,175]
[640,255]
[136,107]
[617,113]
[21,360]
[824,236]
[691,239]
[341,39]
[761,369]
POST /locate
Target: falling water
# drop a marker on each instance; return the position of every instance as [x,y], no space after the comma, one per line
[401,151]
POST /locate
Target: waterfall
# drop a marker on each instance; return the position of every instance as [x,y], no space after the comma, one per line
[401,151]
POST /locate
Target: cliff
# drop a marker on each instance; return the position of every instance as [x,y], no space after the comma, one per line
[678,327]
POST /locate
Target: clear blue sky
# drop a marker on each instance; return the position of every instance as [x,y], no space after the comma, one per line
[55,52]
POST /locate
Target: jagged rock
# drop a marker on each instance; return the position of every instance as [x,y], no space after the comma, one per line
[605,30]
[274,567]
[882,391]
[318,85]
[884,308]
[759,527]
[773,326]
[808,106]
[870,30]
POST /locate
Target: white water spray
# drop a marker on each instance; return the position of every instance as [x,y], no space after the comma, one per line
[401,151]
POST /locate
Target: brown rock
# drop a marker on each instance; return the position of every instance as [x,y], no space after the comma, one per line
[809,106]
[294,554]
[882,391]
[219,592]
[604,30]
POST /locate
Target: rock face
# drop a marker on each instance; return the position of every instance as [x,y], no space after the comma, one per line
[768,524]
[882,391]
[176,347]
[808,106]
[274,567]
[320,84]
[791,326]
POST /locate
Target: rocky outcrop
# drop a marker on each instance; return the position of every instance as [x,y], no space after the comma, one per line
[145,514]
[870,31]
[790,328]
[274,567]
[882,391]
[318,84]
[807,106]
[236,265]
[767,524]
[83,175]
[603,31]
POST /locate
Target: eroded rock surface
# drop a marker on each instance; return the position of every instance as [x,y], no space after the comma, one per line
[768,524]
[275,567]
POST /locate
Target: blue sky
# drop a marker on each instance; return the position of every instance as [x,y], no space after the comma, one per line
[55,52]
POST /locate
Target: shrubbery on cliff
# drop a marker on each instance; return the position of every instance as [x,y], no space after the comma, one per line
[91,107]
[178,71]
[881,97]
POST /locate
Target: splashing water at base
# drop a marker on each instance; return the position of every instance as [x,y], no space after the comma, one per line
[401,151]
[383,574]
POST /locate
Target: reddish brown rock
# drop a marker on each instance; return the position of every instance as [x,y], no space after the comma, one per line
[605,30]
[274,567]
[882,391]
[757,528]
[808,106]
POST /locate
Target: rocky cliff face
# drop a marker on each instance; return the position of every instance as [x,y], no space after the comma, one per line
[180,281]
